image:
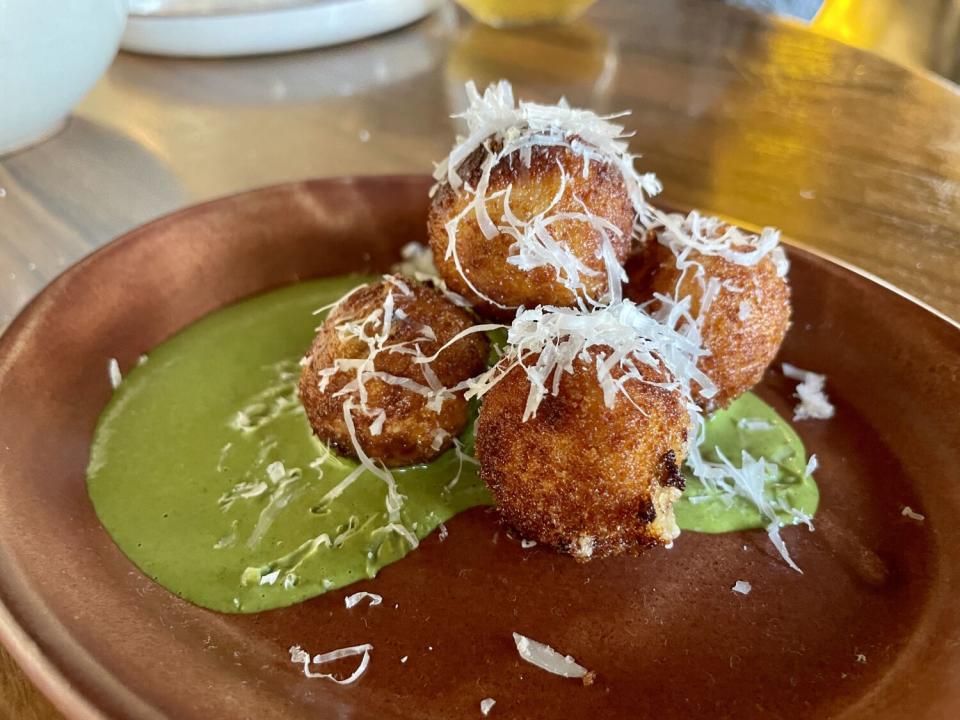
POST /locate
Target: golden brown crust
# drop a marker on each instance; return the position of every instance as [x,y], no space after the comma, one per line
[603,191]
[408,433]
[581,477]
[742,348]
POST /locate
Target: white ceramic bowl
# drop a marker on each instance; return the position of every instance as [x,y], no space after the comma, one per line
[51,54]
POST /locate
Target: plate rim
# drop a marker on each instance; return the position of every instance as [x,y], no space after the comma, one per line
[287,5]
[242,33]
[48,677]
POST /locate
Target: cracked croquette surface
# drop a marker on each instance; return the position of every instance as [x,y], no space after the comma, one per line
[581,477]
[409,431]
[484,261]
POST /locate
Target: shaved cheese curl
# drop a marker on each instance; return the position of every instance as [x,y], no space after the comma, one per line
[301,657]
[545,342]
[706,235]
[506,130]
[354,600]
[546,658]
[496,114]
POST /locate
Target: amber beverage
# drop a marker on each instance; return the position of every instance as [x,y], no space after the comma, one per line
[512,13]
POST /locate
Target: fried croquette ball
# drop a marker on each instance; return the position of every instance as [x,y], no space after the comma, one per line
[742,330]
[533,187]
[582,477]
[400,418]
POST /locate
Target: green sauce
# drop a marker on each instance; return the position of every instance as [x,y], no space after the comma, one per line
[205,472]
[184,469]
[749,424]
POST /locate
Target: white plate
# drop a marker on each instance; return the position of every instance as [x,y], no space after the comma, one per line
[223,28]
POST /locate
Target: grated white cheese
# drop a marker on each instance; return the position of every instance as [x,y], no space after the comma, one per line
[623,334]
[814,403]
[269,578]
[724,478]
[299,656]
[742,587]
[630,338]
[706,235]
[379,418]
[462,457]
[374,330]
[242,490]
[400,285]
[535,247]
[400,530]
[753,424]
[284,488]
[510,131]
[486,705]
[747,482]
[439,438]
[546,658]
[113,372]
[228,540]
[584,546]
[443,532]
[355,599]
[496,115]
[276,471]
[342,299]
[417,262]
[908,512]
[692,237]
[394,500]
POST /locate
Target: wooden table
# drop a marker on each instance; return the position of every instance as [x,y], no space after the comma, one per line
[758,120]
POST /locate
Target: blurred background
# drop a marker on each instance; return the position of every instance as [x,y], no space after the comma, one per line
[836,120]
[919,33]
[922,33]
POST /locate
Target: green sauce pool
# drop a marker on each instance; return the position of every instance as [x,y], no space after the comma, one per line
[206,474]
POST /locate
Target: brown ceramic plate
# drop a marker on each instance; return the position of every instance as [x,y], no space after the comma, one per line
[871,630]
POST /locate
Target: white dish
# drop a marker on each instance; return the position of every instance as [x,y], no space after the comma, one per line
[225,28]
[51,54]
